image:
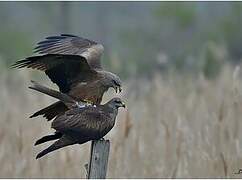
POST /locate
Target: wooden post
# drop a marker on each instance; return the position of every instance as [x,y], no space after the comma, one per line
[98,163]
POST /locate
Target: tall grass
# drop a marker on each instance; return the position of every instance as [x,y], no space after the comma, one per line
[172,127]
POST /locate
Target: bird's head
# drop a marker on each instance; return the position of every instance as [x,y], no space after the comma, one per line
[112,80]
[116,103]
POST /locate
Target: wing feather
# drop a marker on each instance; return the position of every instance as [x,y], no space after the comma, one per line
[80,119]
[67,58]
[74,45]
[61,69]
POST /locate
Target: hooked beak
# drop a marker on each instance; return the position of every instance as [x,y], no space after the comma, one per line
[118,89]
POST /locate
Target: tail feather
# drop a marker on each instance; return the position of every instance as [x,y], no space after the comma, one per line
[53,93]
[52,137]
[51,111]
[62,142]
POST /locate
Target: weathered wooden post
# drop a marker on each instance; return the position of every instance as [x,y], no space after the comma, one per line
[98,164]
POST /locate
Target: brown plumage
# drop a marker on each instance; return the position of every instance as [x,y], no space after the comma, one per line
[73,63]
[79,124]
[64,98]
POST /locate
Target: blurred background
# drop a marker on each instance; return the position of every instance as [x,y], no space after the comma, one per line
[180,64]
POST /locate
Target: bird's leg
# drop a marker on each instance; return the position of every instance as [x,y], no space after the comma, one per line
[79,105]
[84,103]
[88,102]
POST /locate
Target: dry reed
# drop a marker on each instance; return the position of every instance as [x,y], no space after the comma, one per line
[177,127]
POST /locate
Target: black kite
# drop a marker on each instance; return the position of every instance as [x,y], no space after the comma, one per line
[79,124]
[73,63]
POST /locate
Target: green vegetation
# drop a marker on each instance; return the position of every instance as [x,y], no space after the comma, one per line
[134,40]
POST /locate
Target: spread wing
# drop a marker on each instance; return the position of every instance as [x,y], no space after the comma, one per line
[74,45]
[84,120]
[61,69]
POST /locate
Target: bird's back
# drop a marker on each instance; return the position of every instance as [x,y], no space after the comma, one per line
[86,123]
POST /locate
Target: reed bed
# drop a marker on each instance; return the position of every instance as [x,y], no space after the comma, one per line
[173,126]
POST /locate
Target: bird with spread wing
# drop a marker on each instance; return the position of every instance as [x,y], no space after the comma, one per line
[73,63]
[79,124]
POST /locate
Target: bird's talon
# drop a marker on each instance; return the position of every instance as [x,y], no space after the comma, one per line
[88,102]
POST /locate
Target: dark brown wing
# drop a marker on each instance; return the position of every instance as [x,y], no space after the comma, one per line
[74,45]
[61,69]
[85,120]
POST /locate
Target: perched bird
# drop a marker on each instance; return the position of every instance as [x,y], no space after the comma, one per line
[73,63]
[79,124]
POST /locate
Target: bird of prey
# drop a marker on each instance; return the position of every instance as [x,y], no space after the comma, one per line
[74,64]
[79,124]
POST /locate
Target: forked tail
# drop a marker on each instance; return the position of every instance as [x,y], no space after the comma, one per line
[47,138]
[62,142]
[67,100]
